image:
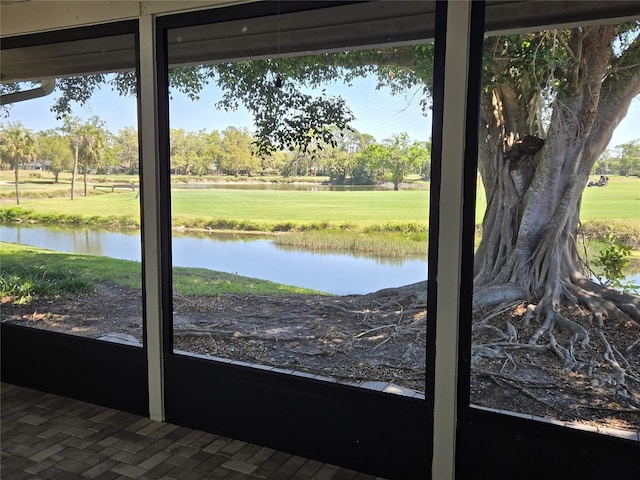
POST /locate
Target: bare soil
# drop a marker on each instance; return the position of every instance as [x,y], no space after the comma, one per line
[376,338]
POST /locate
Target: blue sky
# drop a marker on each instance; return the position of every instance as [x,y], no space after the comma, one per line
[377,113]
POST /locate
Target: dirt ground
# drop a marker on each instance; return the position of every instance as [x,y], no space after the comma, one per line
[379,338]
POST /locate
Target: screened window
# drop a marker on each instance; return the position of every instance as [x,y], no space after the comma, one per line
[70,188]
[555,323]
[300,173]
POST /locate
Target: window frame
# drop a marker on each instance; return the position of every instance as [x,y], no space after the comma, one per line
[482,436]
[109,373]
[291,406]
[514,436]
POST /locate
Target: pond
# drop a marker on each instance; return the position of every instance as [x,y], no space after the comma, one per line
[247,255]
[336,273]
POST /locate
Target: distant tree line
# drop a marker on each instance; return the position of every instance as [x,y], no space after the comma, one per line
[622,160]
[83,147]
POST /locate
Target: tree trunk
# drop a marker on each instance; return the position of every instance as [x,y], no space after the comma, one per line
[15,174]
[85,176]
[534,187]
[75,170]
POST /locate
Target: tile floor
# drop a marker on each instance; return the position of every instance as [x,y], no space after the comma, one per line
[45,436]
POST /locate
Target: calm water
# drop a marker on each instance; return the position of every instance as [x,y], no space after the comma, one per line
[259,258]
[337,273]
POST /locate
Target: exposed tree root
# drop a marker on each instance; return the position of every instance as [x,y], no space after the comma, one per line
[569,332]
[496,295]
[523,387]
[604,300]
[555,320]
[618,372]
[414,291]
[630,347]
[192,332]
[392,314]
[498,310]
[521,345]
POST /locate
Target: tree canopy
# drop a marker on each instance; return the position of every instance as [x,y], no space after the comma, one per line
[621,160]
[17,145]
[55,150]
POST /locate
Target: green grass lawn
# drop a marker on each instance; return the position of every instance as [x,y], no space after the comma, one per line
[618,204]
[268,206]
[29,271]
[619,200]
[274,206]
[122,202]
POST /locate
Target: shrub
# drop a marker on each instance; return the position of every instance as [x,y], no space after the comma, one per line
[13,214]
[613,259]
[625,232]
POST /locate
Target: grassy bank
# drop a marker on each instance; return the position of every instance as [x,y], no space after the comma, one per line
[28,272]
[376,221]
[386,244]
[382,222]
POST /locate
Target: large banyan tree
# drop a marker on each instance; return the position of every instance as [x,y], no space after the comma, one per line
[551,101]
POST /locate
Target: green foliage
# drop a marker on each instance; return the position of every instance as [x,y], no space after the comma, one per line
[26,281]
[16,215]
[396,157]
[613,259]
[123,151]
[13,214]
[221,224]
[622,160]
[626,231]
[55,150]
[276,91]
[381,244]
[286,118]
[364,173]
[17,145]
[75,90]
[406,228]
[235,152]
[48,218]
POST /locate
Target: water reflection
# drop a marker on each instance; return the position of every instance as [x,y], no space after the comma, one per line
[250,256]
[393,261]
[247,255]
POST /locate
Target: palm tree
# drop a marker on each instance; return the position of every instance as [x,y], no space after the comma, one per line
[18,145]
[92,146]
[73,129]
[76,141]
[87,141]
